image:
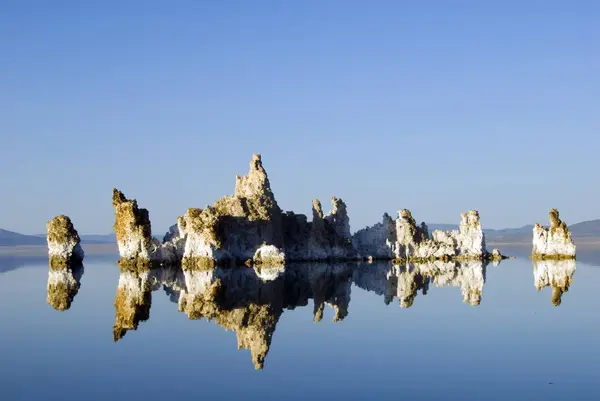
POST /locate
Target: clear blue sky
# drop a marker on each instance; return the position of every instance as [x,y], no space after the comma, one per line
[435,106]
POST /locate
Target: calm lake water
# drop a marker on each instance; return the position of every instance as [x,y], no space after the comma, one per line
[464,332]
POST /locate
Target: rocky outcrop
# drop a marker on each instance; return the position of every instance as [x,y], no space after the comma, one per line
[137,247]
[236,228]
[414,243]
[554,242]
[557,274]
[404,240]
[64,248]
[375,242]
[63,285]
[325,238]
[132,228]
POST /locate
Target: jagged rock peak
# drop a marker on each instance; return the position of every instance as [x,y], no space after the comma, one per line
[132,227]
[554,242]
[64,246]
[407,230]
[256,183]
[338,218]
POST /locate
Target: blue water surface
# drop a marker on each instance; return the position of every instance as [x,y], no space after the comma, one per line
[516,344]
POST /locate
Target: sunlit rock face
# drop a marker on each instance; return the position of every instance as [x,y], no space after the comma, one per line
[375,242]
[132,301]
[554,242]
[557,274]
[236,228]
[415,243]
[132,228]
[63,285]
[64,248]
[137,247]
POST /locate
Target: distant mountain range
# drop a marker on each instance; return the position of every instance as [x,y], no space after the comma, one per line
[10,238]
[584,229]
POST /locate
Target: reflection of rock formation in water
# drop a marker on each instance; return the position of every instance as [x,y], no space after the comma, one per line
[469,275]
[405,240]
[64,246]
[63,285]
[236,228]
[331,285]
[238,300]
[557,274]
[250,301]
[132,302]
[554,242]
[405,281]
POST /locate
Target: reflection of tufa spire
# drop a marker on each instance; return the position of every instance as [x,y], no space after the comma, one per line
[132,302]
[238,300]
[404,281]
[557,274]
[330,284]
[63,285]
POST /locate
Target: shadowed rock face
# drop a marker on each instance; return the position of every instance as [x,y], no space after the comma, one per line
[557,274]
[375,242]
[64,248]
[554,242]
[63,285]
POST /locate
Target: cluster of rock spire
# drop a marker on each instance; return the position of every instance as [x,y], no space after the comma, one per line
[249,227]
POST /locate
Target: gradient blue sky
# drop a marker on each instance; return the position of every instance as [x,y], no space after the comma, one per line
[435,106]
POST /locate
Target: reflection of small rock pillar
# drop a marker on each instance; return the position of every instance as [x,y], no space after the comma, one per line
[63,285]
[557,274]
[64,248]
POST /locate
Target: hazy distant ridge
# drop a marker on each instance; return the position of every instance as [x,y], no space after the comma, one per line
[589,228]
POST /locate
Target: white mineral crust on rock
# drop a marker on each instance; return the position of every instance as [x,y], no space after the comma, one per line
[63,240]
[555,241]
[414,242]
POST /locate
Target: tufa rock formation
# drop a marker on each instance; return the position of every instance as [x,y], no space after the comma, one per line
[404,240]
[246,226]
[137,247]
[64,248]
[557,274]
[63,285]
[132,228]
[554,242]
[250,228]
